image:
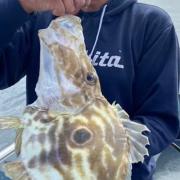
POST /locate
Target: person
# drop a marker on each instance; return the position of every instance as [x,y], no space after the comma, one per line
[133,47]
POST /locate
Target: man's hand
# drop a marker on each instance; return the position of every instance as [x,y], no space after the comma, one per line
[58,7]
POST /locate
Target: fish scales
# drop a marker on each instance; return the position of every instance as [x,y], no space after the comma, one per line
[71,132]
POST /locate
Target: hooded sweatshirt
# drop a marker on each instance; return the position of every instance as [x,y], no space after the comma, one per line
[134,49]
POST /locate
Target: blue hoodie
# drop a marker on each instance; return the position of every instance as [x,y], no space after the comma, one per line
[134,49]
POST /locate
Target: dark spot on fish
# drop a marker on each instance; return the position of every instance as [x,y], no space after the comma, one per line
[45,120]
[43,157]
[86,97]
[59,150]
[81,136]
[41,138]
[32,162]
[51,134]
[78,74]
[63,152]
[52,157]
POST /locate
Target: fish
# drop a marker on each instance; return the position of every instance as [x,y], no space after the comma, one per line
[71,132]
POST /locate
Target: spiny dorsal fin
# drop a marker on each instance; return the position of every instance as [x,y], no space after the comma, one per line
[16,171]
[9,123]
[138,141]
[18,141]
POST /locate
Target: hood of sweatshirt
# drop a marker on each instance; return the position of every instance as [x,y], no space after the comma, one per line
[117,6]
[114,7]
[105,13]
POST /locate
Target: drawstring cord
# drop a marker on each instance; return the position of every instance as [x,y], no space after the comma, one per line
[99,30]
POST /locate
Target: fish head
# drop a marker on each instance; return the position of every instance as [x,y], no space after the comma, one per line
[66,72]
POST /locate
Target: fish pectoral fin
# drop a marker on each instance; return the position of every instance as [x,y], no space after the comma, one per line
[137,140]
[9,123]
[16,171]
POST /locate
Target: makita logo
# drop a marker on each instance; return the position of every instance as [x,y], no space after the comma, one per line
[105,60]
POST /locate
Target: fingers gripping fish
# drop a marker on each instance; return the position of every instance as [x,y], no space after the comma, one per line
[71,132]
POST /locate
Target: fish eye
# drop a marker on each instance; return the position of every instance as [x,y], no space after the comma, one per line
[81,136]
[91,78]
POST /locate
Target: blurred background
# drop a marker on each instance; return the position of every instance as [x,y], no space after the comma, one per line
[12,102]
[172,7]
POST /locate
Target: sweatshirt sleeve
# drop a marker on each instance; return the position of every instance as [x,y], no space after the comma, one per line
[14,42]
[156,88]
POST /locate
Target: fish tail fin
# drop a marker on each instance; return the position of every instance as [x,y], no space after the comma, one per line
[9,123]
[137,140]
[16,171]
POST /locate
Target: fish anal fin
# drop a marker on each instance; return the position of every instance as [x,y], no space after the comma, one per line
[16,171]
[9,122]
